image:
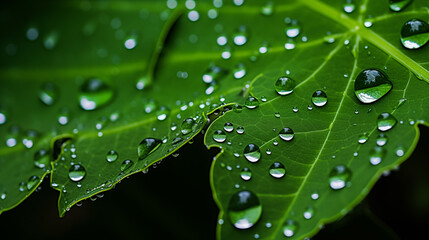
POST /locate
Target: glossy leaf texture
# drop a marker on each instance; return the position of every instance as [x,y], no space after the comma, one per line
[305,157]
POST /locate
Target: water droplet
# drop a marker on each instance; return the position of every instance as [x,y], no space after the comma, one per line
[284,85]
[240,130]
[94,93]
[77,172]
[399,152]
[219,136]
[290,44]
[237,108]
[127,164]
[252,153]
[111,156]
[268,9]
[162,113]
[363,138]
[251,103]
[386,121]
[22,186]
[308,212]
[42,158]
[289,228]
[277,170]
[188,125]
[371,85]
[32,182]
[51,40]
[143,82]
[376,155]
[244,209]
[286,134]
[48,94]
[319,98]
[147,146]
[398,5]
[239,71]
[193,16]
[381,140]
[222,40]
[275,143]
[32,34]
[292,29]
[367,23]
[229,127]
[314,196]
[415,34]
[246,174]
[277,114]
[240,37]
[309,107]
[349,6]
[339,177]
[213,73]
[2,116]
[130,43]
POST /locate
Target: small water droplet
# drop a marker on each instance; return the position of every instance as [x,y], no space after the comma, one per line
[277,170]
[94,93]
[293,28]
[289,228]
[246,174]
[386,121]
[314,196]
[308,212]
[239,71]
[127,164]
[244,209]
[381,140]
[414,34]
[376,155]
[240,130]
[130,43]
[339,177]
[48,94]
[77,172]
[398,5]
[284,85]
[286,134]
[188,125]
[371,85]
[277,114]
[240,37]
[251,103]
[111,156]
[367,23]
[363,138]
[252,153]
[319,98]
[32,182]
[268,9]
[349,6]
[162,113]
[147,146]
[213,73]
[399,152]
[229,127]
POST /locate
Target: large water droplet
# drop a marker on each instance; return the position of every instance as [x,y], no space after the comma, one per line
[246,174]
[289,228]
[376,155]
[77,172]
[251,103]
[127,164]
[286,134]
[415,34]
[147,146]
[219,136]
[385,122]
[277,170]
[252,153]
[42,158]
[244,209]
[48,94]
[94,94]
[32,182]
[188,126]
[284,85]
[339,177]
[213,73]
[111,156]
[398,5]
[371,85]
[319,98]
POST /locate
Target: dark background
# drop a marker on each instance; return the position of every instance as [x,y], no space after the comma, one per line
[174,201]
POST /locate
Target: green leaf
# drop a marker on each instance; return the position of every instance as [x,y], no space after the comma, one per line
[325,146]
